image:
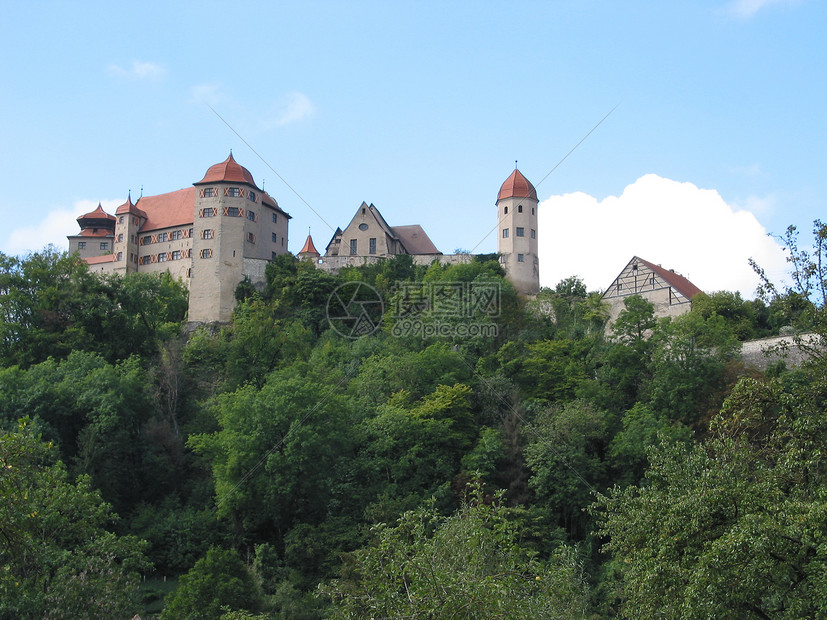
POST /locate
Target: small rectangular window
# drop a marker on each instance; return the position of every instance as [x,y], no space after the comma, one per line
[275,217]
[120,237]
[208,212]
[372,246]
[353,247]
[162,237]
[104,245]
[146,240]
[81,245]
[120,256]
[144,260]
[206,234]
[206,253]
[232,211]
[273,237]
[520,258]
[175,235]
[533,234]
[520,231]
[234,192]
[252,196]
[209,192]
[251,237]
[519,208]
[162,257]
[251,215]
[505,233]
[176,255]
[120,219]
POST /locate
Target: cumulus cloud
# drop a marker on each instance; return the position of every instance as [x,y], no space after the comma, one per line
[677,225]
[291,108]
[53,228]
[139,70]
[744,9]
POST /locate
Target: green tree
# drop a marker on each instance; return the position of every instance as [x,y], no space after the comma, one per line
[57,558]
[467,565]
[733,526]
[219,582]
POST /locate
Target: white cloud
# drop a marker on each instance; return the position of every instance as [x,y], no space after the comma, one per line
[138,71]
[677,225]
[291,108]
[744,9]
[53,228]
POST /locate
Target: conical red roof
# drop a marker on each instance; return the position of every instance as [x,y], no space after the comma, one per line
[228,170]
[517,186]
[309,249]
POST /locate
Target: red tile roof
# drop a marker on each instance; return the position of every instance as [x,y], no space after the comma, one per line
[96,232]
[129,208]
[517,186]
[228,170]
[167,210]
[309,248]
[97,214]
[676,281]
[96,260]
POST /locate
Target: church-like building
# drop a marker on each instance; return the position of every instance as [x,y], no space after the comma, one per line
[225,228]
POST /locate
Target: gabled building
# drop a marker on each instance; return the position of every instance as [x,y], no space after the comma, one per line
[669,292]
[210,235]
[368,234]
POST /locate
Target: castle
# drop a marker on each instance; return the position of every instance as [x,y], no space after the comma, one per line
[225,228]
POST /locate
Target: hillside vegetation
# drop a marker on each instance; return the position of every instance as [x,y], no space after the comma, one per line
[541,467]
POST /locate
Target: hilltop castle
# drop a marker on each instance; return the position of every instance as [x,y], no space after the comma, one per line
[225,228]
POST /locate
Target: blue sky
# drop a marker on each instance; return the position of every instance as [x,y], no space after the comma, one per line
[717,137]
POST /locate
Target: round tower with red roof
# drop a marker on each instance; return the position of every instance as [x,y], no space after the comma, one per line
[517,233]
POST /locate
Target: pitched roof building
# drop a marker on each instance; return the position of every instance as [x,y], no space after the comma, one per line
[670,292]
[210,235]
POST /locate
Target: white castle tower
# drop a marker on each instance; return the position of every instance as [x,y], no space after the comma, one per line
[517,234]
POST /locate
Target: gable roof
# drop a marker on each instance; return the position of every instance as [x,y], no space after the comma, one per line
[415,240]
[640,276]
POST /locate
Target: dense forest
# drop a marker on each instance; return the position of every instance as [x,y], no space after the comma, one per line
[544,467]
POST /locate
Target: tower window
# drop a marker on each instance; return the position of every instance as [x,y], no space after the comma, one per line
[206,234]
[505,233]
[532,210]
[353,247]
[209,192]
[120,256]
[505,210]
[251,215]
[232,211]
[533,234]
[120,219]
[519,208]
[520,231]
[520,258]
[252,196]
[251,237]
[234,192]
